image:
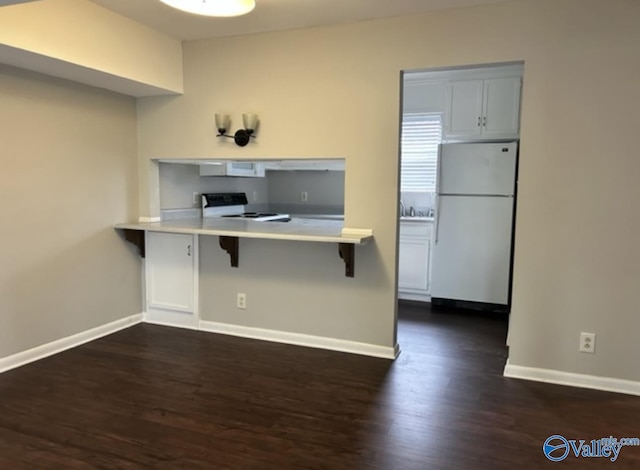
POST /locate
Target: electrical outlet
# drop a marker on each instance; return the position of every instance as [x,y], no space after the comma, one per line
[241,301]
[255,196]
[304,196]
[588,342]
[195,198]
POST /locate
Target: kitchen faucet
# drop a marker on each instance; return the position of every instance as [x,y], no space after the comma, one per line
[401,208]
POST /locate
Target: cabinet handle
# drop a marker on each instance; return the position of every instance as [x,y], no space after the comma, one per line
[484,121]
[188,250]
[479,120]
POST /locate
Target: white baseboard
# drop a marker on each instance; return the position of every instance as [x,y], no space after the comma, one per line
[414,297]
[55,347]
[168,323]
[558,377]
[60,345]
[299,339]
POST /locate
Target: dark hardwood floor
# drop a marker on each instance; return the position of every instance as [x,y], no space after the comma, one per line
[162,398]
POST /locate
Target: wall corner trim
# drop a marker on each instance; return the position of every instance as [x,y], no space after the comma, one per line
[49,349]
[299,339]
[558,377]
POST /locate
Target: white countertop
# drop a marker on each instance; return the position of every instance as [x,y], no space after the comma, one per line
[417,219]
[297,229]
[341,217]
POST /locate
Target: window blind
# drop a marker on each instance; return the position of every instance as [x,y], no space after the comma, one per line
[421,135]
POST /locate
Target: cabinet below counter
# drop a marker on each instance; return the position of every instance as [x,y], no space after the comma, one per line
[414,259]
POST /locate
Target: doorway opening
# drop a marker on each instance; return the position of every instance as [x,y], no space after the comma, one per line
[458,183]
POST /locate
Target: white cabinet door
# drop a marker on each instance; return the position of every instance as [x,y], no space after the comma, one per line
[483,109]
[464,108]
[501,113]
[413,261]
[171,279]
[414,264]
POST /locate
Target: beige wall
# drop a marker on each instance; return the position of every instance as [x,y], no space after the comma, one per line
[577,260]
[78,38]
[68,174]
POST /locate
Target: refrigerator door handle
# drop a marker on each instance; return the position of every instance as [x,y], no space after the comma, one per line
[437,218]
[438,169]
[438,182]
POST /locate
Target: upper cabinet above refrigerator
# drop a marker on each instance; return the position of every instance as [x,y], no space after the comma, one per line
[477,103]
[483,109]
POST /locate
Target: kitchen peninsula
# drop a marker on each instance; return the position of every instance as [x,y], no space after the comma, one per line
[171,255]
[230,230]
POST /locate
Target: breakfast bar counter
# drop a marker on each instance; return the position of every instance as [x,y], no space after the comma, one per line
[297,229]
[230,230]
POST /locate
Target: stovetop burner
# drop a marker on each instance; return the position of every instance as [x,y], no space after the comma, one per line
[232,205]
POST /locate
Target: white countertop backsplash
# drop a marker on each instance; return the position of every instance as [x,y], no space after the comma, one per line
[175,214]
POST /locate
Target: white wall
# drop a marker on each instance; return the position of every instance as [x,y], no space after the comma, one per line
[577,260]
[279,189]
[325,191]
[178,182]
[68,175]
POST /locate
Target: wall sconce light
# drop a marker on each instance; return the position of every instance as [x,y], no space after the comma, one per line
[242,136]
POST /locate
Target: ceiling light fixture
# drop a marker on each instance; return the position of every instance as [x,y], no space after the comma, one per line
[213,7]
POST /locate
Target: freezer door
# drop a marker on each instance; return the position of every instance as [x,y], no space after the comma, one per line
[472,249]
[477,168]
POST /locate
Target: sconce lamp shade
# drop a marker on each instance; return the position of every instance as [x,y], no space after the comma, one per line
[222,122]
[213,7]
[250,121]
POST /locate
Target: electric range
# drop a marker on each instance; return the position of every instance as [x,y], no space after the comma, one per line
[232,205]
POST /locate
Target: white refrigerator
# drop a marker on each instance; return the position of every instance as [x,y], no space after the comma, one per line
[474,224]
